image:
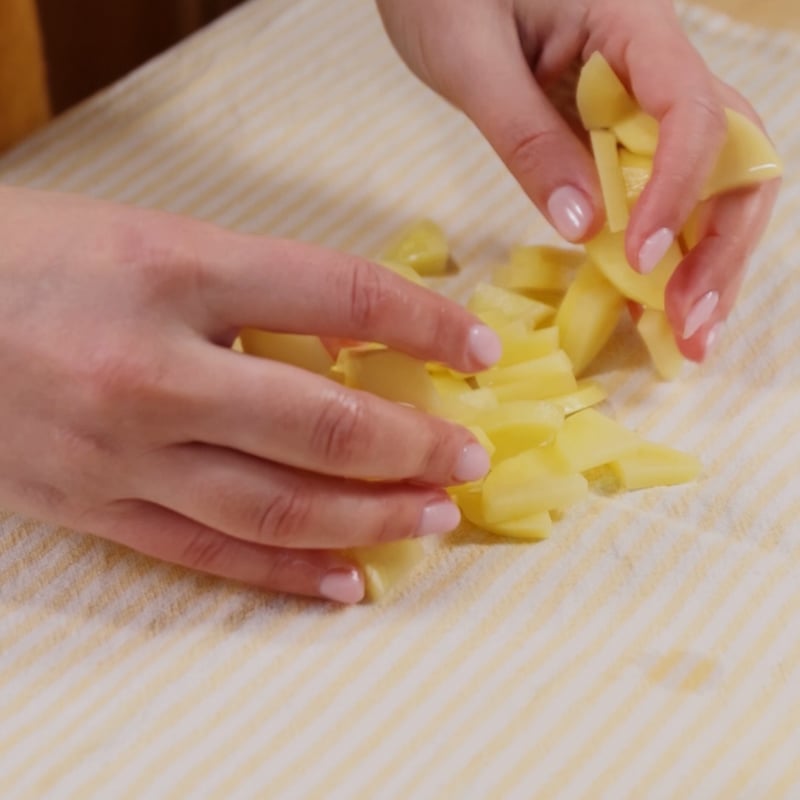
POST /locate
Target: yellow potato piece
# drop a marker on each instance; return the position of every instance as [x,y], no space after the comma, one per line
[588,316]
[531,528]
[607,252]
[517,426]
[636,172]
[590,439]
[421,246]
[386,565]
[655,465]
[521,344]
[659,339]
[602,98]
[747,157]
[535,481]
[638,132]
[539,268]
[482,438]
[404,271]
[307,352]
[504,306]
[391,375]
[537,379]
[588,393]
[606,158]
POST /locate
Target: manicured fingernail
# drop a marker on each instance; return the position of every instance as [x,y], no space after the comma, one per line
[654,249]
[700,314]
[440,516]
[343,586]
[473,464]
[570,211]
[484,345]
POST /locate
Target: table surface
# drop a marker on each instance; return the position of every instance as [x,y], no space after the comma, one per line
[777,13]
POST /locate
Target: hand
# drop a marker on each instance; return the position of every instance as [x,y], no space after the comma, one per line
[495,59]
[125,413]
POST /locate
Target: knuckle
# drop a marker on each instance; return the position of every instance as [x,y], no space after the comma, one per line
[529,151]
[340,428]
[282,518]
[367,294]
[204,551]
[435,455]
[710,113]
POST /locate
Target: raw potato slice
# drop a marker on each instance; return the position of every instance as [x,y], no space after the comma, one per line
[507,305]
[602,99]
[652,465]
[589,393]
[588,316]
[638,132]
[482,438]
[520,425]
[747,157]
[604,147]
[521,344]
[421,246]
[387,565]
[307,352]
[659,339]
[589,439]
[607,252]
[404,271]
[391,375]
[538,379]
[636,172]
[539,269]
[531,528]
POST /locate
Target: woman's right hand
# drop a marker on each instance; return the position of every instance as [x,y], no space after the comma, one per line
[124,412]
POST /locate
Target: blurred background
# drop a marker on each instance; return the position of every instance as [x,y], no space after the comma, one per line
[91,43]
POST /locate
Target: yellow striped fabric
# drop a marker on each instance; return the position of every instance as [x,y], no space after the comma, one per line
[651,648]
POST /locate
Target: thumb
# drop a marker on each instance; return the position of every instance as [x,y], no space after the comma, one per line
[499,93]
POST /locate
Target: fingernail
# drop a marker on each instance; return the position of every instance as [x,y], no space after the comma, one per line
[440,516]
[700,314]
[654,249]
[343,586]
[484,345]
[712,337]
[473,464]
[570,211]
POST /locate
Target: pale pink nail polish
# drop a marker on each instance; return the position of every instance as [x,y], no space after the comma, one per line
[473,464]
[700,314]
[570,211]
[654,249]
[440,516]
[712,337]
[484,345]
[343,586]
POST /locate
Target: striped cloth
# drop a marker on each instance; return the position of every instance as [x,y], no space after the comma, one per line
[650,649]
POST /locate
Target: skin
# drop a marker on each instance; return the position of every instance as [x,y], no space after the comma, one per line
[124,412]
[496,60]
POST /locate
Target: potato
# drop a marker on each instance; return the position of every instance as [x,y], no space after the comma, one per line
[607,252]
[306,352]
[588,393]
[385,566]
[404,271]
[520,425]
[588,316]
[537,379]
[421,246]
[638,133]
[505,307]
[606,157]
[659,339]
[538,268]
[589,439]
[650,465]
[602,99]
[636,172]
[522,344]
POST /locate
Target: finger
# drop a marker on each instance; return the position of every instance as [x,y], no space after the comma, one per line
[672,83]
[269,504]
[287,415]
[500,94]
[704,288]
[168,536]
[299,288]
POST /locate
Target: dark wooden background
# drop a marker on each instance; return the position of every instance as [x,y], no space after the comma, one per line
[91,43]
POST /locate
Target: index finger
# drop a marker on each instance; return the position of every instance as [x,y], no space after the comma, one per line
[292,287]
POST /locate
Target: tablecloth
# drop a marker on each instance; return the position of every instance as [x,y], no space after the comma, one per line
[649,649]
